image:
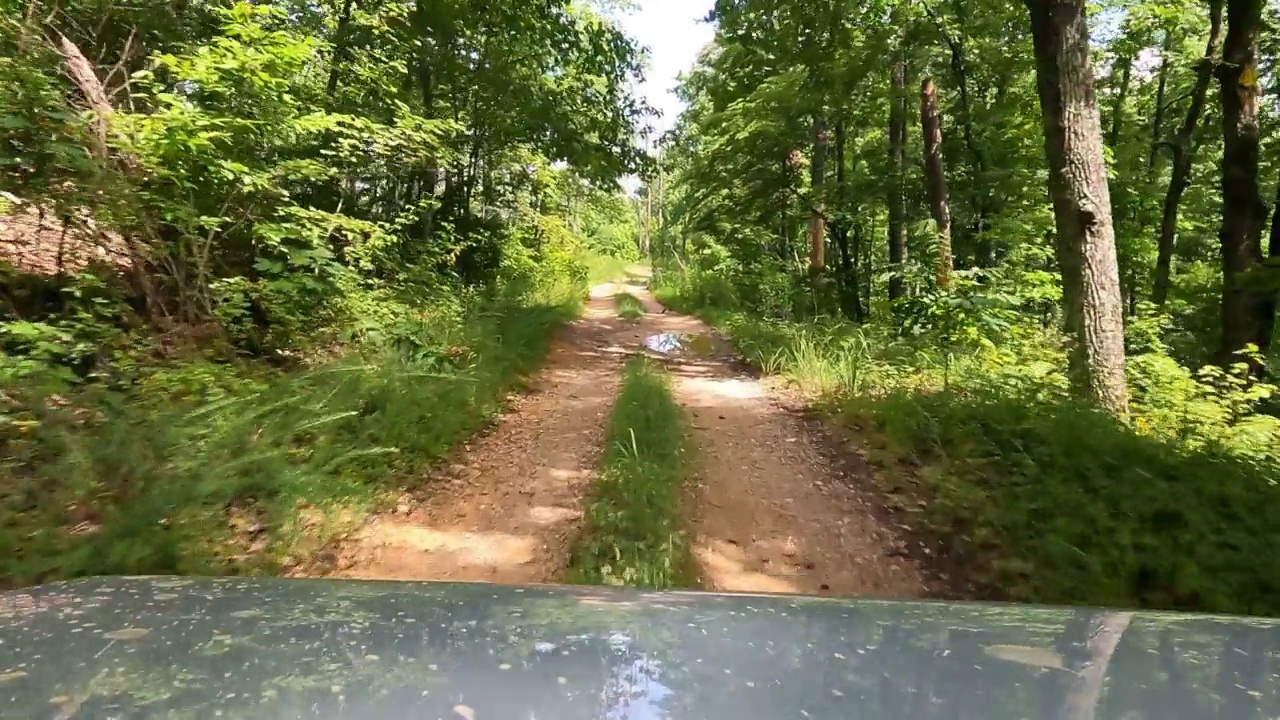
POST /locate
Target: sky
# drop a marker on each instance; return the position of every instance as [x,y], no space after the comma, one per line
[674,33]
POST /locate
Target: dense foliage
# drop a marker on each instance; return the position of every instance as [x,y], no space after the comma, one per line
[261,256]
[979,267]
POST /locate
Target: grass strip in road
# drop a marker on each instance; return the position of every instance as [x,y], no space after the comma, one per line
[633,533]
[629,306]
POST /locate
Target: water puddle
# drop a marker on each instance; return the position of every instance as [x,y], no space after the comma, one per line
[680,344]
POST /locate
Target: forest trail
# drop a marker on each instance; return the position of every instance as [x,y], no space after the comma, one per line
[507,508]
[769,512]
[772,512]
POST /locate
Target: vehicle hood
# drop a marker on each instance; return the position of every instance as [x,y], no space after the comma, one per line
[274,648]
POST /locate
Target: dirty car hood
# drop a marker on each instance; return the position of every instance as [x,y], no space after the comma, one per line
[296,648]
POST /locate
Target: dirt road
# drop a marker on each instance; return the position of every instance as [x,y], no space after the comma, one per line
[769,513]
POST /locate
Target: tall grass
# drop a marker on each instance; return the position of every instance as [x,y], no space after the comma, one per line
[207,470]
[632,534]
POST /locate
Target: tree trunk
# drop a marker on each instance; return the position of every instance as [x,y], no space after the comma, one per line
[1082,206]
[1184,157]
[855,251]
[341,46]
[849,301]
[817,184]
[1273,252]
[1273,244]
[897,160]
[1122,96]
[1243,211]
[982,200]
[1162,87]
[936,178]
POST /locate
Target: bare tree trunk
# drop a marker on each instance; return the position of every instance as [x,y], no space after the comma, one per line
[982,200]
[897,160]
[1273,251]
[1087,644]
[1184,157]
[935,174]
[817,216]
[1082,205]
[1243,211]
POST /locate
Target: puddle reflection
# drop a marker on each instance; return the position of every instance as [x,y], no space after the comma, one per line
[680,344]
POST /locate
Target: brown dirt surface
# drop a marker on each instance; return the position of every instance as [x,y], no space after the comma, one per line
[507,510]
[771,510]
[773,513]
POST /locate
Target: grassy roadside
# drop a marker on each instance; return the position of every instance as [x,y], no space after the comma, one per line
[1025,493]
[216,469]
[633,530]
[629,306]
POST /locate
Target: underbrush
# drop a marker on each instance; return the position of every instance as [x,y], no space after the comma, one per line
[629,306]
[1057,503]
[633,534]
[1031,495]
[215,468]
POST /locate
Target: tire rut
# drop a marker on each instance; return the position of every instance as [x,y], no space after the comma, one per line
[508,507]
[770,512]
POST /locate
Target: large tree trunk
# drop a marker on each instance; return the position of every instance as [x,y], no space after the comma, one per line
[817,216]
[1082,205]
[1243,211]
[897,160]
[1184,157]
[935,175]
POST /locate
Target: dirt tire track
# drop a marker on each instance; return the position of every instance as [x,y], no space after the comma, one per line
[770,512]
[508,508]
